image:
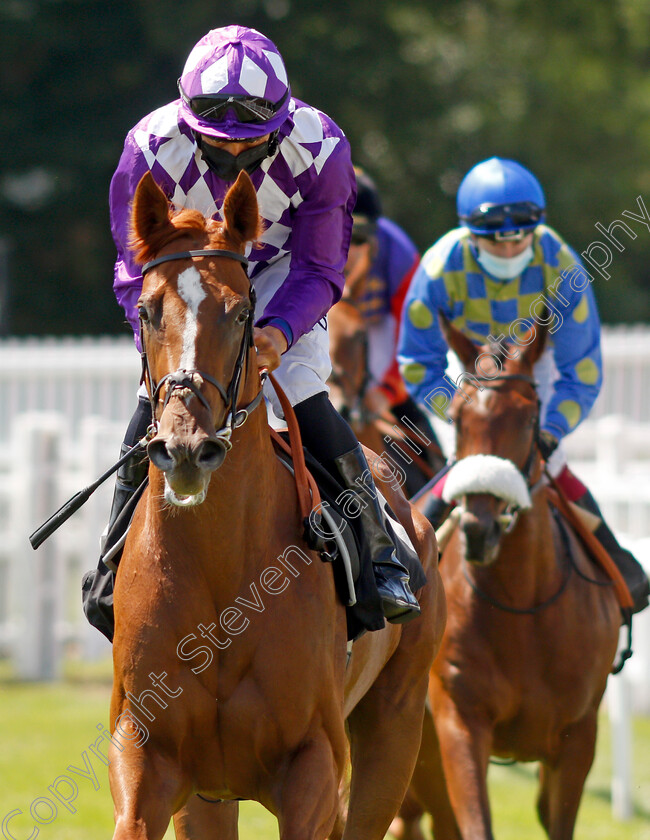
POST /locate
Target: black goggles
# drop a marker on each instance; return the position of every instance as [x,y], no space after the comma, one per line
[248,109]
[493,217]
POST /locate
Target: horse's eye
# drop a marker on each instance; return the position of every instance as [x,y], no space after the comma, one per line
[143,314]
[243,316]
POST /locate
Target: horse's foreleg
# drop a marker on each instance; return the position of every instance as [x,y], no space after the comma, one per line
[146,790]
[562,782]
[385,731]
[428,786]
[307,800]
[406,825]
[465,753]
[200,820]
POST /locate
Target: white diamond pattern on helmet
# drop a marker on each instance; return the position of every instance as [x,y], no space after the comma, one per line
[252,78]
[276,63]
[215,77]
[197,55]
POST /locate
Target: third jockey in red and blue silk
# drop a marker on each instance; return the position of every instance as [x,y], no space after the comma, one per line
[235,112]
[493,277]
[382,261]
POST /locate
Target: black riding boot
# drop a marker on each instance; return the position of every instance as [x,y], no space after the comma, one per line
[627,564]
[332,442]
[129,479]
[97,585]
[398,602]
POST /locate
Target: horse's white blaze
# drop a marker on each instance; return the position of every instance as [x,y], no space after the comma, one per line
[192,292]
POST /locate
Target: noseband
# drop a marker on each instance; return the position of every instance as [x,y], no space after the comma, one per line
[193,379]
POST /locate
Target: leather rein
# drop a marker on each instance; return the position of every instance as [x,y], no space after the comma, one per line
[192,380]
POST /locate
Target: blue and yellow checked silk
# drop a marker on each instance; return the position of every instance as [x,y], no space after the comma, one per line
[451,280]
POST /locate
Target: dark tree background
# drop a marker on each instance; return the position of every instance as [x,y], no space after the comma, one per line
[423,90]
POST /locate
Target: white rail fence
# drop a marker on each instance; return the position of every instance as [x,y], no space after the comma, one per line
[64,406]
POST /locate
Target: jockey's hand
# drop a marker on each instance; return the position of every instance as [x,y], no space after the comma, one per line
[547,443]
[270,344]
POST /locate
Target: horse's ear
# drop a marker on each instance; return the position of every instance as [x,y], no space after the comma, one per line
[465,349]
[240,211]
[531,352]
[150,214]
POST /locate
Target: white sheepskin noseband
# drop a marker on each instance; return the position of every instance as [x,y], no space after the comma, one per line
[487,474]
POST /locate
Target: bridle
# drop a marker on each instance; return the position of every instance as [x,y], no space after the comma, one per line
[192,379]
[511,514]
[520,377]
[509,517]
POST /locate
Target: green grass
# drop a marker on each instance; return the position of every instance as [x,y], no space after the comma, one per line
[46,728]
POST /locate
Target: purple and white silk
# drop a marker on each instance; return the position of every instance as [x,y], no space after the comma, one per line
[305,191]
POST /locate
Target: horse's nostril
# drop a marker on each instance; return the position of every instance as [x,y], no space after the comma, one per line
[159,455]
[211,455]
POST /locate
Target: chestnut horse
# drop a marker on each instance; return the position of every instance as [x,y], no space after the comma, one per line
[532,624]
[351,393]
[231,671]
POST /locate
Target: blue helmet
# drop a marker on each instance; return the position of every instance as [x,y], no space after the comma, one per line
[499,195]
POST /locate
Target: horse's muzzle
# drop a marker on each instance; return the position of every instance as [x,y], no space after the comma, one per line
[187,467]
[481,536]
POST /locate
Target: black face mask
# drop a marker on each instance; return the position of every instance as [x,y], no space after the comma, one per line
[227,166]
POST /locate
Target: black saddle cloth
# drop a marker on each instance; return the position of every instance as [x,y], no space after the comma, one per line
[366,614]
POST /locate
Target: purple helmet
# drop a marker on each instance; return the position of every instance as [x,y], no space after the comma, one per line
[234,85]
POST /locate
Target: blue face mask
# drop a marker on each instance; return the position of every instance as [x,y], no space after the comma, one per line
[227,166]
[505,268]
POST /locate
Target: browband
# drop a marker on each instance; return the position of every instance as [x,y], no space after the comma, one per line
[186,255]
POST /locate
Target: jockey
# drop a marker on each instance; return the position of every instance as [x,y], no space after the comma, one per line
[504,265]
[234,112]
[381,263]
